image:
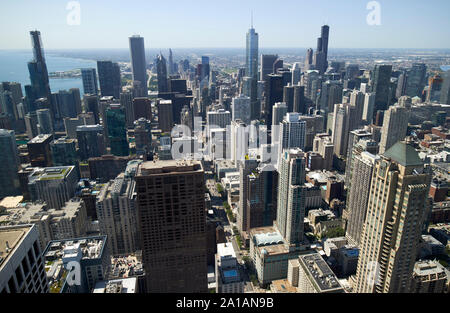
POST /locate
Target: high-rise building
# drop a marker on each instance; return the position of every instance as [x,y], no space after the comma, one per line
[321,55]
[309,60]
[171,63]
[71,124]
[91,105]
[9,164]
[40,86]
[165,115]
[67,103]
[45,123]
[380,81]
[358,195]
[89,77]
[116,212]
[279,111]
[171,223]
[107,167]
[64,152]
[161,70]
[267,61]
[109,78]
[143,137]
[39,150]
[54,185]
[91,141]
[246,167]
[273,94]
[138,65]
[395,126]
[429,277]
[416,80]
[394,220]
[445,91]
[251,59]
[262,188]
[240,108]
[291,196]
[22,267]
[292,133]
[117,134]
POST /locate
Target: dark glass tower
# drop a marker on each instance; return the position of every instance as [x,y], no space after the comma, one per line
[38,69]
[109,77]
[137,51]
[117,134]
[161,68]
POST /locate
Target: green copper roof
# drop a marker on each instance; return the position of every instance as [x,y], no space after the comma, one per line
[404,154]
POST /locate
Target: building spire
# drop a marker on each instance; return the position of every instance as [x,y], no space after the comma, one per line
[252,20]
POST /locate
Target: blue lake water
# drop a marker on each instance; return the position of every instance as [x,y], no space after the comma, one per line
[13,67]
[445,68]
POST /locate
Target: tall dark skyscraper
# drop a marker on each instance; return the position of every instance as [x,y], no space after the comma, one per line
[172,225]
[38,69]
[321,55]
[381,80]
[89,76]
[109,77]
[161,68]
[274,94]
[138,65]
[445,91]
[117,134]
[267,61]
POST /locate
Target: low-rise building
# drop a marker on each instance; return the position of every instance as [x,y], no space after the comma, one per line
[228,272]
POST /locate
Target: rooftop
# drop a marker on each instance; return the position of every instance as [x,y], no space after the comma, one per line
[168,166]
[50,173]
[127,285]
[404,154]
[319,273]
[282,286]
[126,266]
[10,238]
[40,138]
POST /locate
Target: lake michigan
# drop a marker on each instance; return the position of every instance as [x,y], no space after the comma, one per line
[13,68]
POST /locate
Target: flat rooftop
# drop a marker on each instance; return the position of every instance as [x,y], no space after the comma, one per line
[168,166]
[282,286]
[40,138]
[319,273]
[11,236]
[127,285]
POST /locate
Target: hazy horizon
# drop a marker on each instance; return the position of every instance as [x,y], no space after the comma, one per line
[414,24]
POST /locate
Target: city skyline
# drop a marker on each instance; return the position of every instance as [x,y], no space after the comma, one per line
[285,30]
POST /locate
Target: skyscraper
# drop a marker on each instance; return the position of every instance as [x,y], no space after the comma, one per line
[161,68]
[109,78]
[246,167]
[171,224]
[291,196]
[251,71]
[393,226]
[9,164]
[89,77]
[117,134]
[91,142]
[273,94]
[445,91]
[267,61]
[395,126]
[38,69]
[292,133]
[171,64]
[358,195]
[381,80]
[240,109]
[321,55]
[138,65]
[251,59]
[416,80]
[45,123]
[116,212]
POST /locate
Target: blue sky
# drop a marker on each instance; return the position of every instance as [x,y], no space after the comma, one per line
[213,24]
